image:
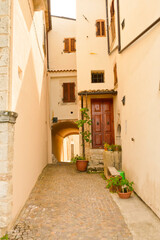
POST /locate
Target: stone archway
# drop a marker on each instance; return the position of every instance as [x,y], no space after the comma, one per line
[61,130]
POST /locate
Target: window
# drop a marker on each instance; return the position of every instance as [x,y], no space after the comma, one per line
[112,26]
[115,75]
[97,77]
[100,28]
[69,45]
[68,92]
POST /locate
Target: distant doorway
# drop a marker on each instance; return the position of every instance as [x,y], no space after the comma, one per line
[70,148]
[103,122]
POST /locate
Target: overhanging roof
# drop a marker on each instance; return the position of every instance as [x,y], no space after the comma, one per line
[98,92]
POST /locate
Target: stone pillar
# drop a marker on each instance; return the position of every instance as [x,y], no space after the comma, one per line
[7,120]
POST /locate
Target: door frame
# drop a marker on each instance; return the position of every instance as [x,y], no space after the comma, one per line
[112,118]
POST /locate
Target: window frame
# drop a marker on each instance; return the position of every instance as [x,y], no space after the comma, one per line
[69,98]
[96,73]
[112,21]
[100,21]
[70,49]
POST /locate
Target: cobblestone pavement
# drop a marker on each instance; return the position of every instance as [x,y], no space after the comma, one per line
[70,205]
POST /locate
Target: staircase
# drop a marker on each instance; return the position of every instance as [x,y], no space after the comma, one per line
[96,160]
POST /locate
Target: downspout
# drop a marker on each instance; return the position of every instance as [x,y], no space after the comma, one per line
[83,146]
[118,23]
[107,27]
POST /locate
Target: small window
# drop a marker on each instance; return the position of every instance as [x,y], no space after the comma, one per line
[112,21]
[68,92]
[97,77]
[115,75]
[69,45]
[100,28]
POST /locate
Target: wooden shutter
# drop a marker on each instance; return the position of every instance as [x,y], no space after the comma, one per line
[97,28]
[68,92]
[73,48]
[115,74]
[72,92]
[65,92]
[66,45]
[103,28]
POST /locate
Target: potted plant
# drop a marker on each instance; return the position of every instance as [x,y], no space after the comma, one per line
[82,162]
[113,183]
[106,146]
[125,188]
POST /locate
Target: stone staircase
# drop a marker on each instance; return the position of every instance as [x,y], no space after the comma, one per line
[96,160]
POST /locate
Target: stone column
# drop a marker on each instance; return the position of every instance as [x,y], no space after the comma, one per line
[7,120]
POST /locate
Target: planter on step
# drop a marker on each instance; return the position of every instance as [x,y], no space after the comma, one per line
[82,165]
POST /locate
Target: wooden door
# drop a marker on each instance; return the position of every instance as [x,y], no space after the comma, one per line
[102,122]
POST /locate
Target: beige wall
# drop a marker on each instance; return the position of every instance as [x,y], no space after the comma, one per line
[62,28]
[29,99]
[57,107]
[91,50]
[138,80]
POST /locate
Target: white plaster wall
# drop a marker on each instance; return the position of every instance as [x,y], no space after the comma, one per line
[140,73]
[29,100]
[57,108]
[138,80]
[138,15]
[91,50]
[61,28]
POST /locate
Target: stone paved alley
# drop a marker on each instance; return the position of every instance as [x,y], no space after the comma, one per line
[69,205]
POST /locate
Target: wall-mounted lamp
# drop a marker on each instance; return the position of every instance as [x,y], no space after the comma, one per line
[123,24]
[124,100]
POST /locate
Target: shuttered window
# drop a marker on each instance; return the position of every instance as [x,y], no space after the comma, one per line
[112,21]
[68,92]
[100,28]
[115,75]
[69,45]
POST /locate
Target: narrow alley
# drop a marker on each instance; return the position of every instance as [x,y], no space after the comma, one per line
[66,204]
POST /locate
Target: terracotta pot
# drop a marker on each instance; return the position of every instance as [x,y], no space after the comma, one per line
[105,149]
[81,165]
[124,195]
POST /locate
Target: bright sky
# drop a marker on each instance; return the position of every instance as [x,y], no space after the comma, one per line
[65,8]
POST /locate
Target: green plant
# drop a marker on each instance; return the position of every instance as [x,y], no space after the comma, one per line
[112,147]
[103,176]
[86,120]
[5,237]
[125,186]
[113,183]
[74,159]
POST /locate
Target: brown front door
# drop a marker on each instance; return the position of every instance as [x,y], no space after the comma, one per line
[102,122]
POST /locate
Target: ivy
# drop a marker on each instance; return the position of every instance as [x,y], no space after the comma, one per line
[83,122]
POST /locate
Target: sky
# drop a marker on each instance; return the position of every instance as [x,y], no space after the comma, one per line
[65,8]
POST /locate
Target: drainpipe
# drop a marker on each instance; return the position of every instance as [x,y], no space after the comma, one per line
[82,127]
[107,27]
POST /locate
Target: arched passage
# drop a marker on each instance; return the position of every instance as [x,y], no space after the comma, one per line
[61,130]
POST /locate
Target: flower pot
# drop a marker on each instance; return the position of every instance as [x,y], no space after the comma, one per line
[124,195]
[82,165]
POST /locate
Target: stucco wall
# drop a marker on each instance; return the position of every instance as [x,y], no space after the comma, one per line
[138,80]
[62,28]
[29,99]
[91,50]
[57,107]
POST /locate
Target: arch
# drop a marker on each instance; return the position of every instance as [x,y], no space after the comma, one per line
[61,130]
